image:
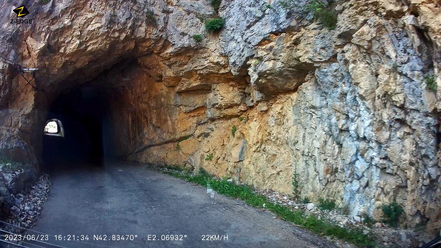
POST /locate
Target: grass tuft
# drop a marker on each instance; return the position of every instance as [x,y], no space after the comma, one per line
[325,204]
[234,130]
[431,83]
[197,38]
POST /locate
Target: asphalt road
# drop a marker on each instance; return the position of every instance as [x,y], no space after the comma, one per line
[125,199]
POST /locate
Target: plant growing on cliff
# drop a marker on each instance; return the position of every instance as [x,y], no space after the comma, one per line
[286,4]
[151,17]
[392,213]
[214,24]
[209,157]
[367,220]
[325,15]
[431,83]
[7,164]
[197,38]
[233,130]
[45,1]
[295,185]
[216,4]
[178,146]
[326,204]
[267,6]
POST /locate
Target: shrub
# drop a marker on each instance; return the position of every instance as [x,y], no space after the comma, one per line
[209,157]
[45,1]
[197,37]
[325,204]
[329,19]
[216,4]
[233,130]
[368,220]
[241,118]
[431,83]
[214,24]
[305,200]
[151,17]
[326,16]
[392,213]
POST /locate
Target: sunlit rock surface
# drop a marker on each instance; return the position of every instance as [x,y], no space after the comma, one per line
[347,109]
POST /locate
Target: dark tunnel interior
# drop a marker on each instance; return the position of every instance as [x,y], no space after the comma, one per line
[87,140]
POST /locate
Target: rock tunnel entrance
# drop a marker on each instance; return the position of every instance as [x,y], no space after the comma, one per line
[83,112]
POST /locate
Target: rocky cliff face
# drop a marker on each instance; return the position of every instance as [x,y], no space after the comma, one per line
[273,94]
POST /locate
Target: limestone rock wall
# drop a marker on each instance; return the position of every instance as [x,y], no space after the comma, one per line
[274,93]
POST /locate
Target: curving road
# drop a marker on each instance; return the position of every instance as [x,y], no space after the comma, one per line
[125,199]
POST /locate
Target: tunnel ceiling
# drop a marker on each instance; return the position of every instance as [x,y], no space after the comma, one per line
[353,110]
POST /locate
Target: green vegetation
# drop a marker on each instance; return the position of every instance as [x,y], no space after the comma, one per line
[325,204]
[151,17]
[45,1]
[241,119]
[5,160]
[9,164]
[214,24]
[209,157]
[392,213]
[305,200]
[295,185]
[325,15]
[368,220]
[233,130]
[329,19]
[216,4]
[431,83]
[320,9]
[203,172]
[247,194]
[286,4]
[178,146]
[197,38]
[267,6]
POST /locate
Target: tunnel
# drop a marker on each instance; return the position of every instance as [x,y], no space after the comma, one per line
[82,114]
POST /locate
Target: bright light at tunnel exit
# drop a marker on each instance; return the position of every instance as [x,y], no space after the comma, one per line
[51,127]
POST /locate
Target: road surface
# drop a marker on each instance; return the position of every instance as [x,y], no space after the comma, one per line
[126,199]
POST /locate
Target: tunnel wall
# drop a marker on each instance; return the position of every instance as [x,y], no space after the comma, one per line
[275,92]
